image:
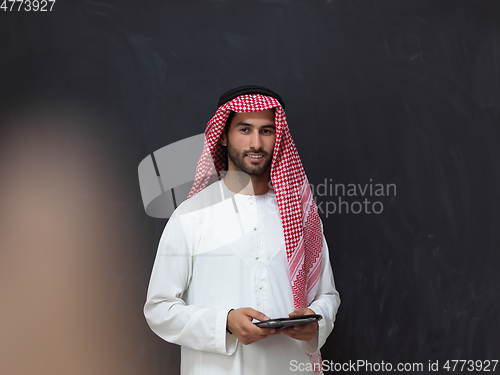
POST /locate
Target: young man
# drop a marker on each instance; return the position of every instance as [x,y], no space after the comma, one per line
[248,246]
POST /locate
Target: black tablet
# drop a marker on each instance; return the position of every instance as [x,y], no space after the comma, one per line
[289,322]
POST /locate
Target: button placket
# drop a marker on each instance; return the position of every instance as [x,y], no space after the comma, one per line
[254,212]
[258,247]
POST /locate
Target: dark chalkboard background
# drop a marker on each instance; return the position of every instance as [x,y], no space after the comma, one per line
[384,91]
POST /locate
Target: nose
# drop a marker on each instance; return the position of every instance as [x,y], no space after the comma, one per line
[255,141]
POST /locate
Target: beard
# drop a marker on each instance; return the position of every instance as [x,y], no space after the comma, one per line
[238,159]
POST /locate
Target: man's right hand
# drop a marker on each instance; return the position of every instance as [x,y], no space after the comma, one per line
[239,322]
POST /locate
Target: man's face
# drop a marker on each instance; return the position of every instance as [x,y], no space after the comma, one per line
[250,142]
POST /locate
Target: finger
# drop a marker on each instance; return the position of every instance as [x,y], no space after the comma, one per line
[295,312]
[268,331]
[256,314]
[301,311]
[302,329]
[261,332]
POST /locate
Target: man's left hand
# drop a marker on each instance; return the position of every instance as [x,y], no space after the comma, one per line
[302,333]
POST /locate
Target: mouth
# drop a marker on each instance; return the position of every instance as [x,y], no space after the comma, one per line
[255,157]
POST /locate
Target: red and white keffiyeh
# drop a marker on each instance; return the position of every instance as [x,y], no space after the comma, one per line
[299,214]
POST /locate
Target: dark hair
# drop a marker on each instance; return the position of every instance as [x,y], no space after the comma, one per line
[228,122]
[226,129]
[231,116]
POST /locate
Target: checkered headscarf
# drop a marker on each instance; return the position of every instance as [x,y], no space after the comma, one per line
[299,214]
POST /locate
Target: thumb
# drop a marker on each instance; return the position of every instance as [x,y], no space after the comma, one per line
[297,312]
[256,314]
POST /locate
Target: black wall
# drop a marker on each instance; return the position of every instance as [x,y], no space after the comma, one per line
[382,92]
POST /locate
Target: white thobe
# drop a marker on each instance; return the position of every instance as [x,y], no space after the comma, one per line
[222,251]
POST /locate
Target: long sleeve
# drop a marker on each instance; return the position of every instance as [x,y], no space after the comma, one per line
[167,313]
[326,303]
